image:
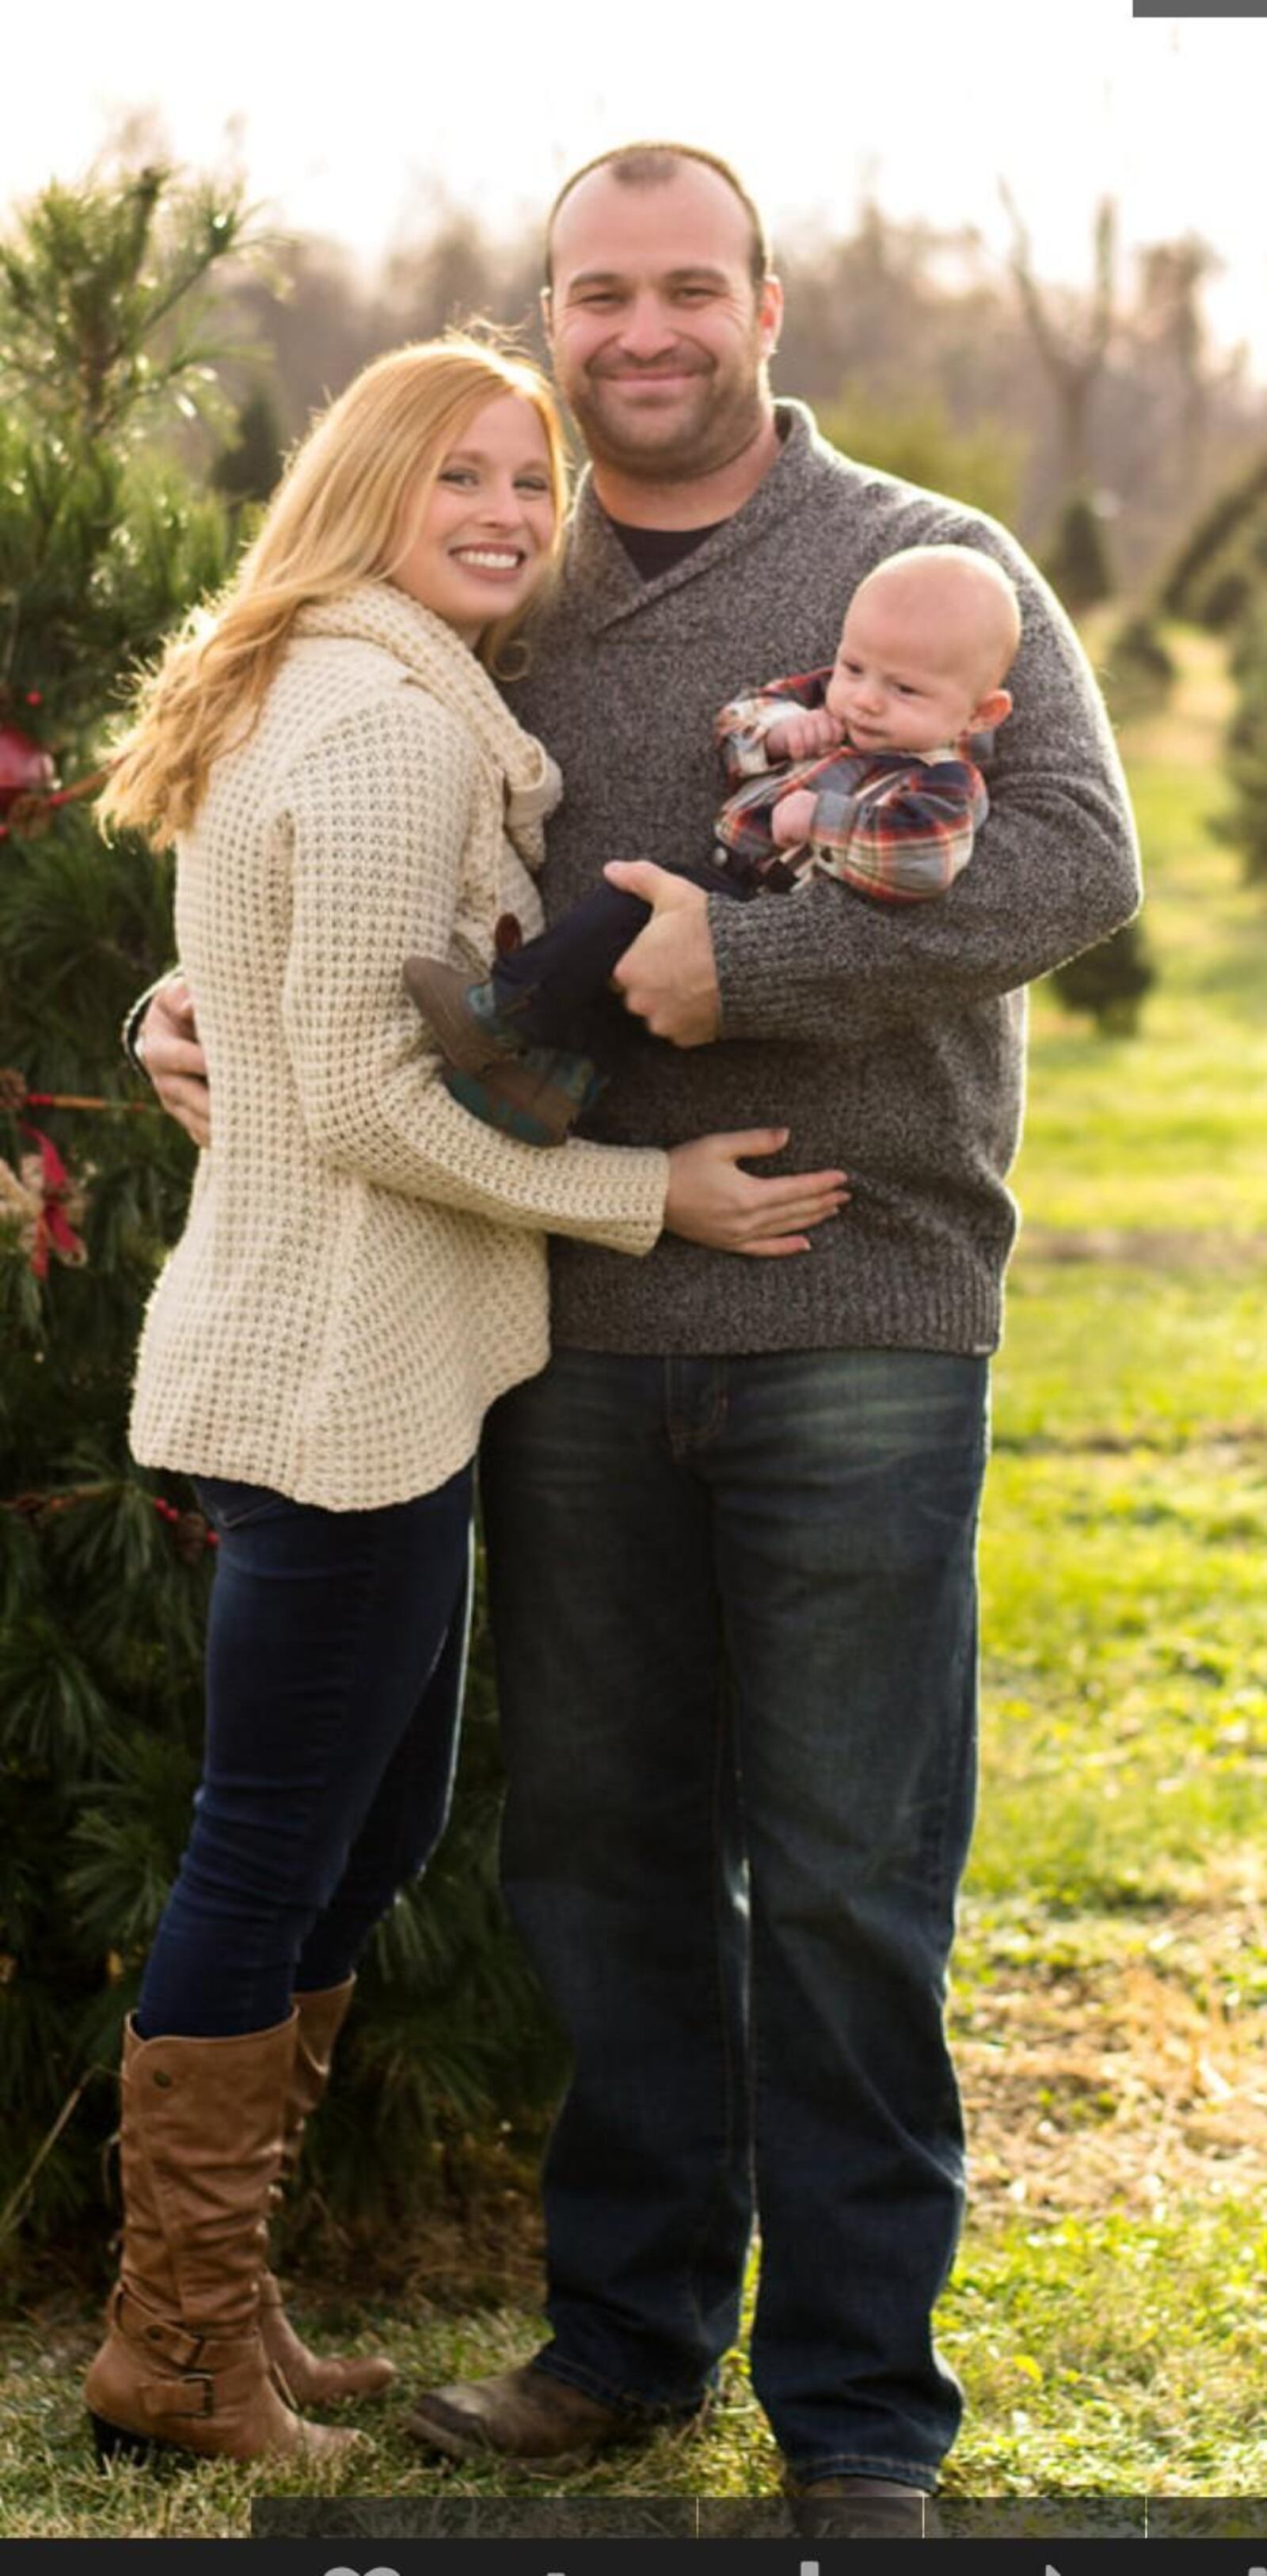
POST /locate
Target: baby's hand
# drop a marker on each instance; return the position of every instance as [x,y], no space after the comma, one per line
[793,818]
[805,737]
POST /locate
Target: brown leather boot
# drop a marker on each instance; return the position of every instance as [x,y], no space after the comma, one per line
[442,993]
[182,2365]
[862,2509]
[522,2414]
[313,2380]
[535,1093]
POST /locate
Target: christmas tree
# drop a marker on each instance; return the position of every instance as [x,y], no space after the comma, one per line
[105,542]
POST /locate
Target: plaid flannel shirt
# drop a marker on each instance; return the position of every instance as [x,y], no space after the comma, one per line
[898,826]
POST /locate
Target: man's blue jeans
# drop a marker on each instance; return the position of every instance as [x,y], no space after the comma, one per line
[335,1655]
[734,1610]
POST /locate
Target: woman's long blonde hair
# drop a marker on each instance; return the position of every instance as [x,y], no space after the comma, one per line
[338,517]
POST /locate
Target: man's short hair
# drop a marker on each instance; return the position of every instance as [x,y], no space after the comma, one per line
[649,165]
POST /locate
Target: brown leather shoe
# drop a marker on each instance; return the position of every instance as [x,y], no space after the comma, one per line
[313,2379]
[442,994]
[862,2509]
[534,1093]
[522,2415]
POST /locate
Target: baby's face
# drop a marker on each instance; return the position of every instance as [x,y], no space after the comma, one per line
[897,685]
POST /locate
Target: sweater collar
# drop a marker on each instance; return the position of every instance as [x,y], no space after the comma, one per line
[600,576]
[431,653]
[376,612]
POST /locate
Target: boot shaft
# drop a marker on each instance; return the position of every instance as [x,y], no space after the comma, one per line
[200,2149]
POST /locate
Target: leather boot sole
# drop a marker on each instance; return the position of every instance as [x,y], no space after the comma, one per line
[113,2442]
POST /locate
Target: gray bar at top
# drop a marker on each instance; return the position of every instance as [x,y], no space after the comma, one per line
[1193,9]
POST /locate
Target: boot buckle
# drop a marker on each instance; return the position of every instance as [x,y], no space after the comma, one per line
[203,2380]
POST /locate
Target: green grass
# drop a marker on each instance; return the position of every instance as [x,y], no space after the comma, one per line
[1085,2364]
[1110,2002]
[1103,1353]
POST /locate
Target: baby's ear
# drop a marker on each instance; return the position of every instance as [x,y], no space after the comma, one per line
[991,711]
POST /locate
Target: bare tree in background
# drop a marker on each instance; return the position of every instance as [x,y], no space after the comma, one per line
[1071,335]
[1173,276]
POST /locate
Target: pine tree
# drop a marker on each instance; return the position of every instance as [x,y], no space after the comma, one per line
[1077,561]
[1108,982]
[102,547]
[1139,669]
[104,1568]
[1222,560]
[1246,825]
[246,470]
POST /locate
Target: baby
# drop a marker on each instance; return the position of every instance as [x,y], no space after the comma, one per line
[859,772]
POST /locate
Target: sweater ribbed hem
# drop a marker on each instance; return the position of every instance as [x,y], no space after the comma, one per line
[806,1302]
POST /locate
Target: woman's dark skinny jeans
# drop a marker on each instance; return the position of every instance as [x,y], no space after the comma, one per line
[335,1655]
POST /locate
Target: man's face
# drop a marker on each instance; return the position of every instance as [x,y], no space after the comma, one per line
[658,335]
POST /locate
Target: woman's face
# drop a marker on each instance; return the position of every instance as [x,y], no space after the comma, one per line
[478,545]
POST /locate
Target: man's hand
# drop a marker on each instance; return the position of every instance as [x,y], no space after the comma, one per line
[174,1060]
[668,976]
[805,737]
[793,818]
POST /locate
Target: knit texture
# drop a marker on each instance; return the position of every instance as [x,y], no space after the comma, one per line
[890,1043]
[363,1265]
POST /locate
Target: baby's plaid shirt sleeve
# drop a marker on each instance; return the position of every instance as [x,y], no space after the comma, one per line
[740,728]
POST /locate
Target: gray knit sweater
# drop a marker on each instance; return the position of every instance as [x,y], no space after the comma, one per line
[892,1044]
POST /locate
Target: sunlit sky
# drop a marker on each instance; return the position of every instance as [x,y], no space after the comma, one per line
[349,121]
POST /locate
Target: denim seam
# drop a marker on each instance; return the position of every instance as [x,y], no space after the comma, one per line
[724,1740]
[947,1875]
[575,2374]
[686,1438]
[850,2464]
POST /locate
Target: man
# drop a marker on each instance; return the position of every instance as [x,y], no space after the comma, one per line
[732,1525]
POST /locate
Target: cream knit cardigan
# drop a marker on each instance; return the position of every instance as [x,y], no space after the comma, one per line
[363,1265]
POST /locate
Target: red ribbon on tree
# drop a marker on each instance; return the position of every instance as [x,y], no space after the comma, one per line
[27,794]
[53,1229]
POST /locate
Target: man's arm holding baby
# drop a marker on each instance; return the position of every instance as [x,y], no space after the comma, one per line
[901,835]
[904,841]
[1054,870]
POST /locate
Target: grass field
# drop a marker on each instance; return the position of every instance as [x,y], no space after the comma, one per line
[1110,1995]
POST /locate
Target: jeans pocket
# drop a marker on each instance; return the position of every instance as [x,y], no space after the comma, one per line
[230,1505]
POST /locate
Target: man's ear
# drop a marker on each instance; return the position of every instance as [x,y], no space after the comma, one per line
[770,314]
[991,711]
[547,313]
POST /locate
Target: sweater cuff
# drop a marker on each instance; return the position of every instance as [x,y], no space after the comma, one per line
[744,937]
[130,1033]
[637,1230]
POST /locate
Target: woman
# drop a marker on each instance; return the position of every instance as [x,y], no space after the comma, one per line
[361,1272]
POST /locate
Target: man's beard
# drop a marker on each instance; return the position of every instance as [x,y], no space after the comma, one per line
[721,422]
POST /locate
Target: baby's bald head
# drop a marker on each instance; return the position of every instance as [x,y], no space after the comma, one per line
[960,595]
